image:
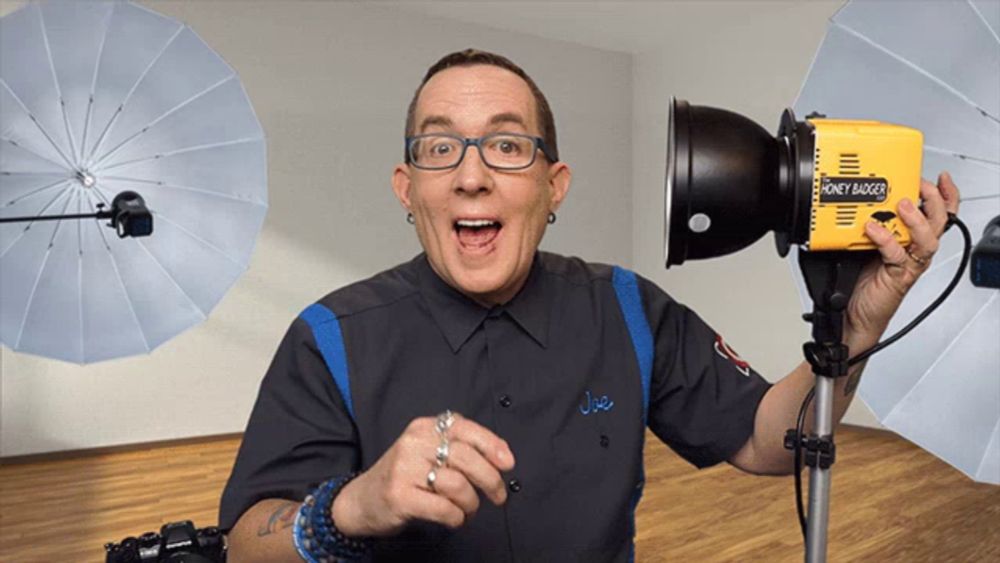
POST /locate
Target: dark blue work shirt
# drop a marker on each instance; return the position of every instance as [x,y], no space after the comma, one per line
[554,372]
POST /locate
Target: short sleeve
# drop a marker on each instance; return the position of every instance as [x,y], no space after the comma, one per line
[299,433]
[703,396]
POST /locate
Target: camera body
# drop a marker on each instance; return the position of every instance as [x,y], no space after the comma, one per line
[177,542]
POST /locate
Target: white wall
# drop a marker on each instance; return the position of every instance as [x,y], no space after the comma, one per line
[330,80]
[330,83]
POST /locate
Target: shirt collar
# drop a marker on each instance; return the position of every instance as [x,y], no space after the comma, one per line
[458,316]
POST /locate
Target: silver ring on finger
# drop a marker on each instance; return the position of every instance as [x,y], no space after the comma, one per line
[444,422]
[441,455]
[431,479]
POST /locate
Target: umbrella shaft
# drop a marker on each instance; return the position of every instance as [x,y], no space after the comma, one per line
[101,215]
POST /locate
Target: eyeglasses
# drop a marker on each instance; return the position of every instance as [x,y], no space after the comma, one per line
[502,151]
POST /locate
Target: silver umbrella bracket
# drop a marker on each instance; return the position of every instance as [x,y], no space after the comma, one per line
[128,214]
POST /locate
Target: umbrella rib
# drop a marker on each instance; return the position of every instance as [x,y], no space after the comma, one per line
[160,265]
[979,468]
[38,278]
[184,150]
[79,226]
[985,23]
[86,122]
[199,239]
[926,74]
[118,275]
[28,227]
[39,190]
[93,80]
[31,297]
[961,156]
[31,152]
[978,198]
[815,58]
[37,124]
[185,188]
[950,345]
[69,131]
[59,222]
[983,160]
[146,127]
[121,106]
[55,79]
[79,277]
[204,316]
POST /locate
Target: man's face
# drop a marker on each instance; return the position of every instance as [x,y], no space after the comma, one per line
[479,226]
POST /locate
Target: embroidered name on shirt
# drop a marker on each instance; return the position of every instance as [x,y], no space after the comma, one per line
[595,404]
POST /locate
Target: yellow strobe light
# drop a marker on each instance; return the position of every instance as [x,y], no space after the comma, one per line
[815,184]
[863,169]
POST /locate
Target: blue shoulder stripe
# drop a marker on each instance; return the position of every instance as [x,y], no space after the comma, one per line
[627,289]
[326,331]
[629,299]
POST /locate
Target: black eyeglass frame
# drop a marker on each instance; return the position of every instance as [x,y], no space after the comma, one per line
[477,142]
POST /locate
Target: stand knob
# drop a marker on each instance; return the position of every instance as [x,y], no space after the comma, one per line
[838,301]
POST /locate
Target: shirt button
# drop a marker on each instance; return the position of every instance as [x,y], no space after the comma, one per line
[505,401]
[605,441]
[514,485]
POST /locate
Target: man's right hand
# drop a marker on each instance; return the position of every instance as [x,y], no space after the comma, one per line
[394,491]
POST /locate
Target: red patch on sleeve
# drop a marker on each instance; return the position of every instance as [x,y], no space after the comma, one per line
[723,349]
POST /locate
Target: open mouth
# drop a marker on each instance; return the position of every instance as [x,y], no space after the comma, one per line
[476,234]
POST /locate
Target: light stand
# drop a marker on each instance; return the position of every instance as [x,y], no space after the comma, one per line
[729,182]
[830,278]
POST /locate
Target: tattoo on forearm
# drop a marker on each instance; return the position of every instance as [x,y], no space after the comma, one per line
[853,380]
[282,518]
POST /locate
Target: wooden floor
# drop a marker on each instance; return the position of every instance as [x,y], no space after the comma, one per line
[891,502]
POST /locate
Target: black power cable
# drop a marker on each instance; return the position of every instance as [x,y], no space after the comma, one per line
[800,424]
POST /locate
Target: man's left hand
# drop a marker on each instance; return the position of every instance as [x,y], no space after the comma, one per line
[884,282]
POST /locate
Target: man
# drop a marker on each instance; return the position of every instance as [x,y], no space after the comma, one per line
[541,355]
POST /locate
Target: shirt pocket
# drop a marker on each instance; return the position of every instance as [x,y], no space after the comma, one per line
[588,484]
[584,451]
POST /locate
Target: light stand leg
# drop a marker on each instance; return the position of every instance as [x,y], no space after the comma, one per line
[819,478]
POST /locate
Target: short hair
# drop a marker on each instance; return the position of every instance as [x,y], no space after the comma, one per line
[471,57]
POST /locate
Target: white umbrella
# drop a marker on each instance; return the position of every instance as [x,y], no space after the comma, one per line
[934,66]
[97,98]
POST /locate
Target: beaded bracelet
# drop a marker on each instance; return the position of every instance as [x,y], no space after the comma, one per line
[316,537]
